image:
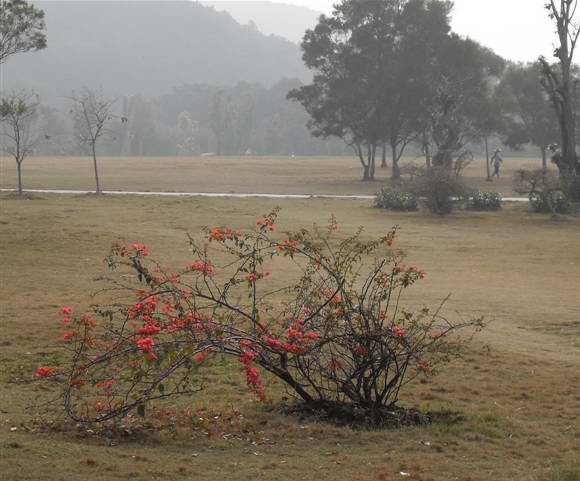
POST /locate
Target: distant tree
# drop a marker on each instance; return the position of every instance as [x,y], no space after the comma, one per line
[351,54]
[390,72]
[92,114]
[527,110]
[187,134]
[422,33]
[22,28]
[488,124]
[462,90]
[221,121]
[17,114]
[559,82]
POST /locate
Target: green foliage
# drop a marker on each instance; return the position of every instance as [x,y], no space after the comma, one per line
[385,72]
[22,28]
[527,111]
[392,199]
[484,201]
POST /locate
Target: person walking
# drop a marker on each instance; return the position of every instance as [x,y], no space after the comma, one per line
[496,161]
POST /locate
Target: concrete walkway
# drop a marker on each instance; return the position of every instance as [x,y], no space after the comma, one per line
[221,195]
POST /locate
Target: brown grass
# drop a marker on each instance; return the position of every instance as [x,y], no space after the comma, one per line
[283,175]
[516,389]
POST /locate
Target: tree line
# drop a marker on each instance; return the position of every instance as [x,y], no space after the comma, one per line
[391,73]
[388,75]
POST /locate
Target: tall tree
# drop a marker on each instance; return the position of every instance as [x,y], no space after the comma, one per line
[462,88]
[17,114]
[92,114]
[22,28]
[526,108]
[560,84]
[422,32]
[351,53]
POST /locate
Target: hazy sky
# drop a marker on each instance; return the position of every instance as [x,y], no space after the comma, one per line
[516,29]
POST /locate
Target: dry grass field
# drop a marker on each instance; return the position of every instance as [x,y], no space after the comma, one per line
[516,392]
[282,175]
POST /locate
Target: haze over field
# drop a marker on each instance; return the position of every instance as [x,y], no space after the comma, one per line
[232,251]
[516,29]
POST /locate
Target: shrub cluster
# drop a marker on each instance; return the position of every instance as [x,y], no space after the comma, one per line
[543,189]
[390,199]
[484,201]
[440,187]
[340,336]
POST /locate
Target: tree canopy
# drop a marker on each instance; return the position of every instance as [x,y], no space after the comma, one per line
[22,28]
[390,71]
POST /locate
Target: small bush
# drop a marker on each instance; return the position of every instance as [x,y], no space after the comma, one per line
[484,201]
[396,200]
[543,189]
[440,187]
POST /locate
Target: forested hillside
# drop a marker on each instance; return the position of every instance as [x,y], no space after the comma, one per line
[147,48]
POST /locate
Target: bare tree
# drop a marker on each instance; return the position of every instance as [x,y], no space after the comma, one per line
[559,82]
[92,114]
[17,115]
[21,28]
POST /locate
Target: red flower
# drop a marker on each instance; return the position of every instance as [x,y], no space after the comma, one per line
[139,250]
[68,336]
[150,330]
[67,314]
[256,276]
[288,246]
[146,344]
[312,336]
[44,371]
[399,332]
[217,234]
[425,367]
[203,267]
[267,223]
[106,384]
[202,356]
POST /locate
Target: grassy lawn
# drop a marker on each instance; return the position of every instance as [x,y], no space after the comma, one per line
[516,389]
[283,175]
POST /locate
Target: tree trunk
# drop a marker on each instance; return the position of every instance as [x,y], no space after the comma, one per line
[19,169]
[365,166]
[98,184]
[544,158]
[371,161]
[426,151]
[384,164]
[487,166]
[396,177]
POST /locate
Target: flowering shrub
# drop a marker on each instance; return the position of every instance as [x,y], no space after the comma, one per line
[395,200]
[341,335]
[484,201]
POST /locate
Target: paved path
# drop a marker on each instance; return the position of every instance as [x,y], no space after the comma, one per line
[221,195]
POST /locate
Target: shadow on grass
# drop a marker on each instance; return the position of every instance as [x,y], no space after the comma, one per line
[357,418]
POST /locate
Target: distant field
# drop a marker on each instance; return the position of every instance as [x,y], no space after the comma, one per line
[282,175]
[517,387]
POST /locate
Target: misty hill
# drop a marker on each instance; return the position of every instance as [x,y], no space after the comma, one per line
[288,21]
[147,48]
